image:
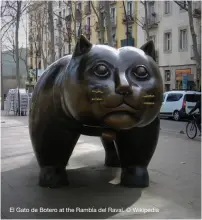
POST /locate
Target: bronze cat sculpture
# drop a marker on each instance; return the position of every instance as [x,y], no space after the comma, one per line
[115,94]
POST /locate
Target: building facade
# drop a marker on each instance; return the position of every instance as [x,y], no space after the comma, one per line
[169,28]
[8,70]
[72,18]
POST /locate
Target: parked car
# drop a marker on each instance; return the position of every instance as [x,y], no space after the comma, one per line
[178,103]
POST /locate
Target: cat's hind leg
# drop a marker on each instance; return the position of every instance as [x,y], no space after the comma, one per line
[136,148]
[53,147]
[111,155]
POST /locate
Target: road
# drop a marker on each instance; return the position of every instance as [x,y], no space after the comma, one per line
[174,191]
[171,125]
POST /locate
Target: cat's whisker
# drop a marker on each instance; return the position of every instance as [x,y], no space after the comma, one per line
[97,91]
[148,96]
[97,99]
[148,103]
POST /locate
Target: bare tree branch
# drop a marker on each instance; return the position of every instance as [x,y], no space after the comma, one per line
[181,5]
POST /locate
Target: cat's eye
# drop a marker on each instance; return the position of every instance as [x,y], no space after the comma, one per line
[140,72]
[101,70]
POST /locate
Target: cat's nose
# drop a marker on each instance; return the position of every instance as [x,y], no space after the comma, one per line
[123,87]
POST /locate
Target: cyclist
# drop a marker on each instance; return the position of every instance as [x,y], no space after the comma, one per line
[198,118]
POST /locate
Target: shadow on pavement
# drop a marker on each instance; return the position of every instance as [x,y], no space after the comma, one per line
[89,188]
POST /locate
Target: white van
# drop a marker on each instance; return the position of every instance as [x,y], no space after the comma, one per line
[178,103]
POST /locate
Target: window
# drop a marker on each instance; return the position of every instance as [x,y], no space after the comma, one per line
[77,29]
[63,13]
[183,39]
[129,7]
[63,50]
[88,21]
[59,3]
[79,6]
[174,97]
[167,7]
[151,8]
[192,97]
[130,31]
[167,41]
[167,75]
[113,13]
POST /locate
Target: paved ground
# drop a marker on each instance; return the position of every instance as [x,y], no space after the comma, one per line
[167,125]
[175,180]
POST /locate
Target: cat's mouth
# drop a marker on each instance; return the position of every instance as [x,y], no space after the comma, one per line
[124,108]
[122,117]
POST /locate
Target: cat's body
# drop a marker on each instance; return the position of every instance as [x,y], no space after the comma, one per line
[98,91]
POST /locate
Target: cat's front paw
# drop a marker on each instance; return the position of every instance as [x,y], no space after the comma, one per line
[53,177]
[135,177]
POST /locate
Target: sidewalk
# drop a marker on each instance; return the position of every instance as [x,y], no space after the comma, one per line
[174,191]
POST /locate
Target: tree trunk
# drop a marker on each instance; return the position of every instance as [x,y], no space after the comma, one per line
[100,23]
[2,86]
[18,12]
[102,29]
[193,34]
[108,22]
[126,17]
[51,30]
[146,20]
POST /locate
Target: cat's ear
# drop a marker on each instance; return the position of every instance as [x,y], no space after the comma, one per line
[149,49]
[82,46]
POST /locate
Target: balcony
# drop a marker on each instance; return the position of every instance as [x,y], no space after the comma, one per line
[152,21]
[87,30]
[196,9]
[192,51]
[130,42]
[129,18]
[87,9]
[113,2]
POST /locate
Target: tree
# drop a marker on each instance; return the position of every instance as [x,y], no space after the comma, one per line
[14,11]
[11,13]
[145,4]
[51,30]
[99,12]
[108,22]
[37,34]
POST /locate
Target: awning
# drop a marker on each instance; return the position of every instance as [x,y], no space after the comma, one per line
[183,71]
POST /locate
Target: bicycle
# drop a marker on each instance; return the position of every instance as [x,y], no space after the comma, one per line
[192,127]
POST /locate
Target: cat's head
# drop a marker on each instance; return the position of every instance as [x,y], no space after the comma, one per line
[117,88]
